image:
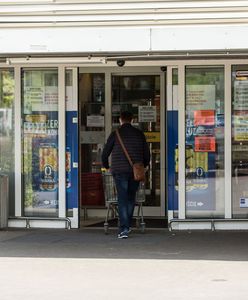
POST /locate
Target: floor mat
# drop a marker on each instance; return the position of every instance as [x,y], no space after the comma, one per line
[150,223]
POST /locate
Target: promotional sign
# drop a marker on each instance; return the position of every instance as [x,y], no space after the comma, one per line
[147,113]
[240,95]
[204,117]
[200,147]
[40,159]
[240,126]
[152,137]
[200,97]
[205,144]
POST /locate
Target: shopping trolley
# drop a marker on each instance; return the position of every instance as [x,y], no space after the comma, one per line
[111,202]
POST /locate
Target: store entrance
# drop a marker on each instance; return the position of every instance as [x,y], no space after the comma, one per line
[102,96]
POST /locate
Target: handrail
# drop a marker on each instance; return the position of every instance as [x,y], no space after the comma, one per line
[28,219]
[204,220]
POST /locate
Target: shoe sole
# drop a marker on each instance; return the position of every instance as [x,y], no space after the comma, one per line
[123,237]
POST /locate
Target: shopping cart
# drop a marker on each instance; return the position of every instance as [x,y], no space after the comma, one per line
[111,202]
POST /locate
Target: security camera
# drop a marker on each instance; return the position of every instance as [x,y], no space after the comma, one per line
[120,62]
[163,69]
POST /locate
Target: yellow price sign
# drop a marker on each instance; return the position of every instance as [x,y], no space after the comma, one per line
[152,137]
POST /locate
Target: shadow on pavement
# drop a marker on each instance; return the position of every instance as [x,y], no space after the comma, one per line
[154,244]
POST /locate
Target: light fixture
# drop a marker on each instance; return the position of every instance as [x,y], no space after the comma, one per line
[56,60]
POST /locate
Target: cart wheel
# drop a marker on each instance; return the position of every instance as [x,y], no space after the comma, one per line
[138,223]
[105,229]
[142,227]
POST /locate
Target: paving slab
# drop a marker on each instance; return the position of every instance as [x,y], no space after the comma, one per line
[87,264]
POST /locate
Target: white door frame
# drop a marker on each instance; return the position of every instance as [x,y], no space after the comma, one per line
[109,72]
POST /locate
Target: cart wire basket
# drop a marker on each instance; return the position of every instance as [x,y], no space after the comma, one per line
[111,202]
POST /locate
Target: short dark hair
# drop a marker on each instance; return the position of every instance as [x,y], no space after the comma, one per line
[126,116]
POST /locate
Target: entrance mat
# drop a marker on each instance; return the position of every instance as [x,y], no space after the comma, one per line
[150,223]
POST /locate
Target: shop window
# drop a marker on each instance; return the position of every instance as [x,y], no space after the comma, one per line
[40,142]
[7,133]
[204,139]
[240,141]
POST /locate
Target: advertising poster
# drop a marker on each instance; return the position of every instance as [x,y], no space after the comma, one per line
[45,172]
[205,144]
[200,147]
[240,126]
[41,160]
[40,141]
[240,95]
[204,117]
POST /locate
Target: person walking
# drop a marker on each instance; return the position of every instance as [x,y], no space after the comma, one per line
[135,143]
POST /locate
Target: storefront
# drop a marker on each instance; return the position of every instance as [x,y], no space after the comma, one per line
[55,120]
[180,67]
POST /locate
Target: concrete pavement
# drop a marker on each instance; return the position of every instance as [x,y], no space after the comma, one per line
[86,264]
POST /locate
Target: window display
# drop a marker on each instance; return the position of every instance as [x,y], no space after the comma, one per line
[40,142]
[204,142]
[240,141]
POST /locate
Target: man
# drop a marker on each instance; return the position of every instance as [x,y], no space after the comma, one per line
[138,150]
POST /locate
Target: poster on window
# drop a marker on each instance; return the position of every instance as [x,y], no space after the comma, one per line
[147,113]
[200,97]
[205,144]
[40,155]
[240,95]
[204,117]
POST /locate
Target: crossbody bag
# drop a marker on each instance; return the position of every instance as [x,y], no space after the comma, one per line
[138,168]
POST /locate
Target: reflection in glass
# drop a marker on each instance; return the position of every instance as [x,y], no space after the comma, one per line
[204,141]
[40,142]
[7,134]
[140,94]
[240,141]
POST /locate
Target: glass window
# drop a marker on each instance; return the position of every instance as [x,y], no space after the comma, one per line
[92,136]
[40,142]
[140,94]
[7,133]
[240,141]
[204,142]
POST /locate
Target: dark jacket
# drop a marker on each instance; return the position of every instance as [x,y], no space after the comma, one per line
[136,145]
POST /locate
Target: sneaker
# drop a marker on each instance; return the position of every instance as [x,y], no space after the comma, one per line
[123,235]
[129,230]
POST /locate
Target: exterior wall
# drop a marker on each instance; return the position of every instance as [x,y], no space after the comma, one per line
[108,26]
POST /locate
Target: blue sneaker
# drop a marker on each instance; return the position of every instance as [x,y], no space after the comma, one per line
[123,235]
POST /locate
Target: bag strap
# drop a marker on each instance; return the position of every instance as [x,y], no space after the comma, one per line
[123,147]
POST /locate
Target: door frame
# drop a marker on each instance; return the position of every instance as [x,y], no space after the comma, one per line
[159,211]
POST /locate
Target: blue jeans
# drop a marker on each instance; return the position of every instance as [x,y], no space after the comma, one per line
[126,188]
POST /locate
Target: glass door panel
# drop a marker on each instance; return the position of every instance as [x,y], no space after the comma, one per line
[204,142]
[140,94]
[92,137]
[40,141]
[240,141]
